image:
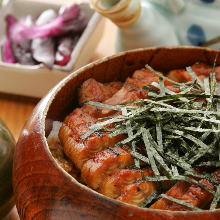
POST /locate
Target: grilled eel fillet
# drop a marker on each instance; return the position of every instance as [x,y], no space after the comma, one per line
[190,193]
[126,185]
[196,195]
[103,164]
[91,90]
[200,69]
[137,193]
[78,122]
[177,191]
[78,150]
[113,184]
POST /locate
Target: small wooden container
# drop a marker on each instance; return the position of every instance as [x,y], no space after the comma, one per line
[43,190]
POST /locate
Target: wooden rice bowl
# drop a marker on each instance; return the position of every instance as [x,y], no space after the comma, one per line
[42,189]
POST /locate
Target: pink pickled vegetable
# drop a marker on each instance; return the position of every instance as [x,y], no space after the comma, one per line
[43,49]
[21,49]
[17,52]
[22,53]
[7,53]
[16,27]
[64,49]
[46,17]
[72,19]
[11,21]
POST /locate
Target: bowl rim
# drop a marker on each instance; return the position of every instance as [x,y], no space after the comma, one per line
[48,99]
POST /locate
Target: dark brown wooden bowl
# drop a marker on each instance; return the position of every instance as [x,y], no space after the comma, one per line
[42,189]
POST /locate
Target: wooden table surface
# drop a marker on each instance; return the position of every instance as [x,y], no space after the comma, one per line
[15,110]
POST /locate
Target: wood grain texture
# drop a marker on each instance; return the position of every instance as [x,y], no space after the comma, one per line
[42,189]
[15,110]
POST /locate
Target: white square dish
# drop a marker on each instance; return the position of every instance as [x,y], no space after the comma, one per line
[37,80]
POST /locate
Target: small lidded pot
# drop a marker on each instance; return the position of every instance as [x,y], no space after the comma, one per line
[7,146]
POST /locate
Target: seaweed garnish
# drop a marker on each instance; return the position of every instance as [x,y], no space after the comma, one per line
[179,132]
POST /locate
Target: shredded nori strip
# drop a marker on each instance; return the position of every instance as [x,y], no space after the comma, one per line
[215,199]
[150,152]
[173,133]
[149,199]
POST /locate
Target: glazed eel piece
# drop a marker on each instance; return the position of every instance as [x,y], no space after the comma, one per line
[77,123]
[77,149]
[200,69]
[126,185]
[91,90]
[196,195]
[177,191]
[108,172]
[114,184]
[190,193]
[137,193]
[104,163]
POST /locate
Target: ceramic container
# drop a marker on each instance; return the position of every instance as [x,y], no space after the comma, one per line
[43,190]
[37,80]
[7,146]
[147,23]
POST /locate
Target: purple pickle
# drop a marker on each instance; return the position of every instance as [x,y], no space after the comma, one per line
[64,49]
[72,19]
[6,50]
[22,48]
[7,53]
[43,49]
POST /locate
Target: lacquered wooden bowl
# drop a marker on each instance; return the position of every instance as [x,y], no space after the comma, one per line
[42,189]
